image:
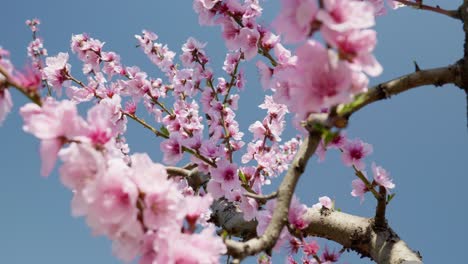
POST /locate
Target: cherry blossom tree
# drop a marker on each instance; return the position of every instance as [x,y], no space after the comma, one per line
[206,199]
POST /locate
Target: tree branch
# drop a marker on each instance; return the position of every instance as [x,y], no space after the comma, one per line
[353,232]
[437,9]
[32,95]
[380,222]
[357,233]
[229,216]
[239,250]
[437,77]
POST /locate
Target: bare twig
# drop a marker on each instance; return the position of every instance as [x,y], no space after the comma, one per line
[261,198]
[437,9]
[176,171]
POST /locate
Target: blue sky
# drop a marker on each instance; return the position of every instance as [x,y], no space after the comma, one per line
[420,137]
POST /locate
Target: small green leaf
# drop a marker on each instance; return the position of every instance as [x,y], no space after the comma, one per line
[224,234]
[328,136]
[165,131]
[390,197]
[242,177]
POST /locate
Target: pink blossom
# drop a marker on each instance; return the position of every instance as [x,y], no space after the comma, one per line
[311,248]
[205,16]
[232,59]
[215,189]
[248,39]
[344,15]
[32,24]
[379,7]
[112,64]
[6,104]
[354,152]
[208,4]
[113,197]
[359,189]
[258,130]
[99,124]
[249,207]
[359,82]
[162,205]
[284,55]
[53,123]
[322,79]
[29,78]
[193,52]
[172,148]
[295,19]
[394,4]
[174,247]
[197,208]
[48,151]
[296,214]
[126,244]
[147,174]
[57,70]
[356,46]
[226,174]
[330,256]
[326,202]
[382,177]
[81,165]
[265,74]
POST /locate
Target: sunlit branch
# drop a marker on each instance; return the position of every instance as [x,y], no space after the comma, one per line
[437,77]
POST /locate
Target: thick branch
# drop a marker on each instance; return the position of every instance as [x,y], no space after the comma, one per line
[230,218]
[285,192]
[437,77]
[357,233]
[353,232]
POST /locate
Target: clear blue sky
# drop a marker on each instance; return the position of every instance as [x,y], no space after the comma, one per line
[420,137]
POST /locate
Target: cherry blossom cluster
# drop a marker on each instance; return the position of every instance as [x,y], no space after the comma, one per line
[132,200]
[36,46]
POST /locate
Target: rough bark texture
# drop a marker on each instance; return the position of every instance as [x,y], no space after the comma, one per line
[358,233]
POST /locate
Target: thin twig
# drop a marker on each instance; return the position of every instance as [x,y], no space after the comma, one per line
[34,97]
[437,9]
[261,198]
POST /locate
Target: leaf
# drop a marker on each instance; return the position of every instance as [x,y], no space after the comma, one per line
[242,177]
[390,197]
[165,131]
